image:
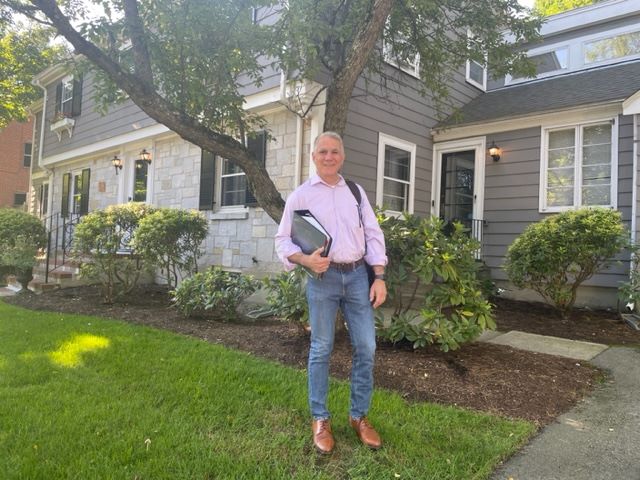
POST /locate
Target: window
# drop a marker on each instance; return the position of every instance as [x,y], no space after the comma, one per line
[396,172]
[19,199]
[397,51]
[232,190]
[547,63]
[140,178]
[618,46]
[476,72]
[68,97]
[26,158]
[579,166]
[75,193]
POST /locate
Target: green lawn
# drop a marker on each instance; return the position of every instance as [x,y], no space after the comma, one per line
[87,398]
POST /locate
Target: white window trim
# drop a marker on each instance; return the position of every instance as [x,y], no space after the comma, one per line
[544,161]
[389,58]
[509,80]
[383,141]
[482,86]
[218,191]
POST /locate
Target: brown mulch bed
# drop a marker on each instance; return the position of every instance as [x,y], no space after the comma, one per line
[479,376]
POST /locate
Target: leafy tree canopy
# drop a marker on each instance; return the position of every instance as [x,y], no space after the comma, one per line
[551,7]
[189,63]
[23,53]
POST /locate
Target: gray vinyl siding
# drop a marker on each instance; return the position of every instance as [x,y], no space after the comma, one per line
[90,126]
[512,189]
[402,112]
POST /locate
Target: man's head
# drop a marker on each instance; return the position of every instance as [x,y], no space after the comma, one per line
[328,156]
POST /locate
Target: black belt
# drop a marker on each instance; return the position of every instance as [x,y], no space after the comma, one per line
[347,267]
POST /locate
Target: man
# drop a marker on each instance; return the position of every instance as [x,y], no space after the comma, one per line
[342,283]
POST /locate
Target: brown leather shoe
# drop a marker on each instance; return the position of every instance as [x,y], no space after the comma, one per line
[322,436]
[366,432]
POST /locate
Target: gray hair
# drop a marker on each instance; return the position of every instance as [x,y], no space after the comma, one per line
[330,134]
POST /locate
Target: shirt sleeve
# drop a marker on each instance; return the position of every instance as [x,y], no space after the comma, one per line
[284,246]
[376,249]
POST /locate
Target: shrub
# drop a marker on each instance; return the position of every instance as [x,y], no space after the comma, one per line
[171,238]
[556,255]
[629,292]
[215,291]
[435,273]
[21,237]
[286,297]
[103,240]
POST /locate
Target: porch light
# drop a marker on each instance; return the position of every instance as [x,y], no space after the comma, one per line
[145,156]
[494,151]
[117,163]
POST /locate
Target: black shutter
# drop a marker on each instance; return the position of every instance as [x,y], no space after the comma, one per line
[66,183]
[58,98]
[76,108]
[84,197]
[207,180]
[257,145]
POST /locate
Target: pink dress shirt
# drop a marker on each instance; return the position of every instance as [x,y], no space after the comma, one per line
[336,209]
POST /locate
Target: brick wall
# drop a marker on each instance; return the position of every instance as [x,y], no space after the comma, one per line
[14,176]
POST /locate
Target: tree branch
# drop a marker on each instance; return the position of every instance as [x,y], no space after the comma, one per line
[141,60]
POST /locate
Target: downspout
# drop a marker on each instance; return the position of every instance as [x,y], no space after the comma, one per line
[49,171]
[297,166]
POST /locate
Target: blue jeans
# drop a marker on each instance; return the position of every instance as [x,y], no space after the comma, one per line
[350,292]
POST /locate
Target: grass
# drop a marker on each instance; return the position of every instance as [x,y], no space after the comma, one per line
[83,397]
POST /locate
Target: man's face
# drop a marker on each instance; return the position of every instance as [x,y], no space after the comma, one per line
[328,158]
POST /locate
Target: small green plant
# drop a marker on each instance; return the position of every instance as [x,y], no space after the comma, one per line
[432,283]
[286,297]
[21,237]
[215,291]
[170,238]
[102,243]
[556,255]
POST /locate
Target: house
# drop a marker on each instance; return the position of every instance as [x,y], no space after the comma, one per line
[583,98]
[583,106]
[15,162]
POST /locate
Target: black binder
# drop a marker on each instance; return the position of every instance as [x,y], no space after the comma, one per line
[309,234]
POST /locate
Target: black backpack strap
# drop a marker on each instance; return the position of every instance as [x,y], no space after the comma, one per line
[355,191]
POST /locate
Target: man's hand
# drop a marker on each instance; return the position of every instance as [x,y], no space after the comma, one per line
[314,262]
[378,293]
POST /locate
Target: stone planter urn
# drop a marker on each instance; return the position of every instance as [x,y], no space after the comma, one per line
[24,276]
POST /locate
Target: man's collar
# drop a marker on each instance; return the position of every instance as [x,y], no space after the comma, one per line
[316,179]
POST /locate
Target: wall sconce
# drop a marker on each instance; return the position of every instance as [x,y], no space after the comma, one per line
[494,152]
[117,163]
[145,156]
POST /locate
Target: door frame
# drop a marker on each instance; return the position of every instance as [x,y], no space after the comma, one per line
[479,145]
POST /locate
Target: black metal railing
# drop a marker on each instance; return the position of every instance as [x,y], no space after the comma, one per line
[59,240]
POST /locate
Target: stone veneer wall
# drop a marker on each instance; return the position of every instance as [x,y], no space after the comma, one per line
[239,238]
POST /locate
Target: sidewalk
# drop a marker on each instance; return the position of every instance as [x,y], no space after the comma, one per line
[599,439]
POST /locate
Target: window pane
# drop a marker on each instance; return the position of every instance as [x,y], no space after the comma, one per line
[476,72]
[596,175]
[596,155]
[614,47]
[233,190]
[549,61]
[597,134]
[597,195]
[562,139]
[229,168]
[140,181]
[561,158]
[560,177]
[77,193]
[560,197]
[395,196]
[396,163]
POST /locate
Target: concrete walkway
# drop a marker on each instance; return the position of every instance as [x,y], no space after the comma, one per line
[599,439]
